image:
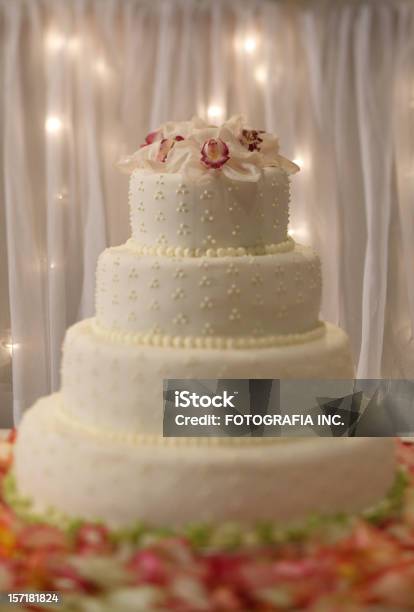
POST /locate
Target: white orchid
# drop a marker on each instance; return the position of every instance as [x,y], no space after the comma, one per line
[196,149]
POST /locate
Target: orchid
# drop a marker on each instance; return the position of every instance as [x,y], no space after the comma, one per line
[251,139]
[151,137]
[214,153]
[165,147]
[195,148]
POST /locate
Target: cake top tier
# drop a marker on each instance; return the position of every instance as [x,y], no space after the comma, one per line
[197,189]
[196,150]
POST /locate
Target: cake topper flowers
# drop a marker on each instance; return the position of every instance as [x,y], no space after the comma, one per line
[151,137]
[196,150]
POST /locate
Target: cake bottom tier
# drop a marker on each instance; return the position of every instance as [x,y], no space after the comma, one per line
[172,482]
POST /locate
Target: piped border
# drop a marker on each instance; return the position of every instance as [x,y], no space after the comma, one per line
[177,251]
[208,342]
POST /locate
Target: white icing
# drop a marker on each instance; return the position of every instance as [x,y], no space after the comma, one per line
[168,212]
[118,385]
[179,252]
[144,439]
[93,477]
[156,338]
[244,301]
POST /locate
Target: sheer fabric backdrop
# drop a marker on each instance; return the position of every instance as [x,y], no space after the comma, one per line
[82,83]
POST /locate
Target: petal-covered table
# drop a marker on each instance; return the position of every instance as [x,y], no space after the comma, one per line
[328,565]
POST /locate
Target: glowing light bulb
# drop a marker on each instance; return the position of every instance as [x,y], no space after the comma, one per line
[249,44]
[300,232]
[214,112]
[53,124]
[55,41]
[303,160]
[260,74]
[11,346]
[299,162]
[73,45]
[246,44]
[101,68]
[62,194]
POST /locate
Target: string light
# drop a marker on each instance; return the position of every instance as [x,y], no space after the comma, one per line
[215,112]
[74,45]
[299,162]
[303,161]
[55,41]
[299,232]
[11,346]
[53,124]
[100,67]
[260,74]
[62,194]
[248,44]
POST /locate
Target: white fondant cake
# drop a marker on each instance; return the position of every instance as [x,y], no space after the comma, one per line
[209,286]
[175,481]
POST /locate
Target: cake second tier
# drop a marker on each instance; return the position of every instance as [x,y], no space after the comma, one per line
[202,298]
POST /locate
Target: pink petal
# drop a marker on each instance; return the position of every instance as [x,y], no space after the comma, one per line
[151,137]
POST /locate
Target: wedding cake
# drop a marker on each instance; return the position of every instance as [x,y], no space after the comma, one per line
[210,285]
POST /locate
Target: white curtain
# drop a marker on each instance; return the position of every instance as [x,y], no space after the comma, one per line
[83,81]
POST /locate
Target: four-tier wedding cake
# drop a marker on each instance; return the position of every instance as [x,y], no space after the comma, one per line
[210,285]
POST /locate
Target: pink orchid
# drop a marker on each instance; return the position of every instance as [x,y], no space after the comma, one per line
[251,139]
[214,153]
[151,137]
[165,147]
